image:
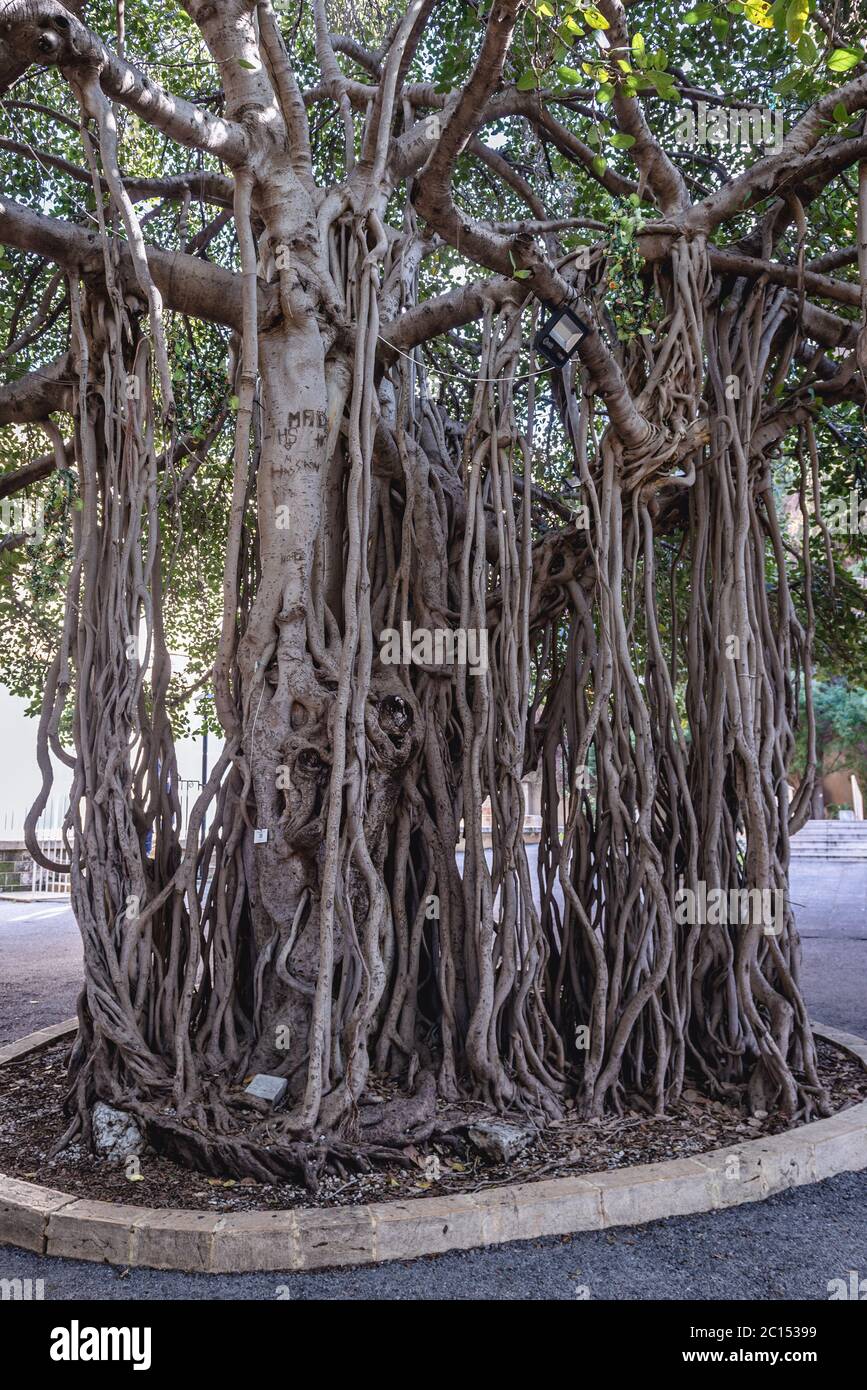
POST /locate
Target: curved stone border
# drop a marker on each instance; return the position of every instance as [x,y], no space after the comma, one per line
[53,1223]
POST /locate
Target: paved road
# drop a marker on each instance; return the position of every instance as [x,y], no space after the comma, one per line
[790,1246]
[830,903]
[40,966]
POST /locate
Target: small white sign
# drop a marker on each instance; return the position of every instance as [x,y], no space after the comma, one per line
[260,837]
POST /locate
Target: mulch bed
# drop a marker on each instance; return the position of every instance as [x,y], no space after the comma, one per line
[32,1091]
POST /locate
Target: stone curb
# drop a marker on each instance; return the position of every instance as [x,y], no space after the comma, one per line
[53,1223]
[34,1042]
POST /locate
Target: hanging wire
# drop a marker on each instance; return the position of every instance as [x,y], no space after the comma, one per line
[461,376]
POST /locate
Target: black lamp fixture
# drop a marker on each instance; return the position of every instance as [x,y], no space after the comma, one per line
[558,338]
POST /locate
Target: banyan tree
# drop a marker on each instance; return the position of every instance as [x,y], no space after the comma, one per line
[274,278]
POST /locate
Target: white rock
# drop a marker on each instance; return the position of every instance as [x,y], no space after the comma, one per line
[499,1140]
[115,1134]
[264,1086]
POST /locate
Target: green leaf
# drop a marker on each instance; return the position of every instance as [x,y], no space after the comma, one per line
[251,67]
[840,114]
[598,165]
[569,76]
[778,15]
[796,17]
[527,81]
[720,26]
[595,18]
[699,14]
[842,59]
[623,142]
[807,50]
[664,84]
[234,402]
[522,275]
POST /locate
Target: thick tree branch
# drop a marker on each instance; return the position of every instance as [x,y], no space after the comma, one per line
[733,263]
[657,171]
[35,395]
[767,174]
[17,479]
[433,193]
[12,63]
[210,187]
[434,317]
[44,32]
[190,285]
[503,169]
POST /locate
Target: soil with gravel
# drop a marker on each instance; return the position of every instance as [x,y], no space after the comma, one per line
[32,1093]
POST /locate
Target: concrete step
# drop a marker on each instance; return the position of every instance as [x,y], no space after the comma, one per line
[857,825]
[840,840]
[855,858]
[856,835]
[846,829]
[819,852]
[835,827]
[855,843]
[830,840]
